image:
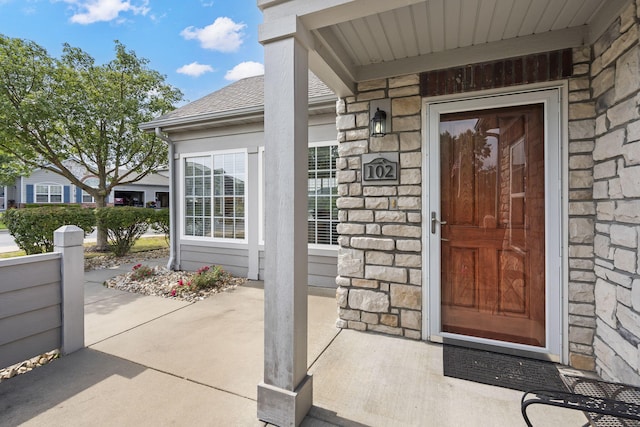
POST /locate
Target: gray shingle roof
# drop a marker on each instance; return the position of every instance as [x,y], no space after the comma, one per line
[245,93]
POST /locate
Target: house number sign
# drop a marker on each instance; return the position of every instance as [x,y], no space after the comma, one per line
[380,168]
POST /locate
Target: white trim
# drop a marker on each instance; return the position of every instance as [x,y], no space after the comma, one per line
[564,147]
[328,143]
[319,248]
[555,192]
[181,174]
[49,185]
[261,195]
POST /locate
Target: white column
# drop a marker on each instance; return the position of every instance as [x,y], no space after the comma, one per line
[285,395]
[68,241]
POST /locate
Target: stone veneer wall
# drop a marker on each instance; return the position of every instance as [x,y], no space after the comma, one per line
[379,263]
[615,86]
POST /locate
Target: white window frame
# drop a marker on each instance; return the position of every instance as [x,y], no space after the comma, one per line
[48,194]
[261,195]
[321,246]
[182,210]
[314,248]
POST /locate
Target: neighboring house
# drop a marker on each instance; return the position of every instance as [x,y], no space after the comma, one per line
[500,208]
[46,187]
[218,151]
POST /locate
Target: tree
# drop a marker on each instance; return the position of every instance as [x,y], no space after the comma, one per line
[10,169]
[56,110]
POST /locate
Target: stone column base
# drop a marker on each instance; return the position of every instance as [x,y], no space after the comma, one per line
[282,407]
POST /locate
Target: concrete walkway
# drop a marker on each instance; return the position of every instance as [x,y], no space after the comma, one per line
[151,361]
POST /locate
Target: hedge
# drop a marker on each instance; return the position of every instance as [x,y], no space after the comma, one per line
[124,225]
[33,228]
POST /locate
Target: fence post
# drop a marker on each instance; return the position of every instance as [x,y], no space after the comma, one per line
[68,241]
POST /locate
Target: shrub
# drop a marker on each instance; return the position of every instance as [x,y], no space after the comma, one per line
[208,277]
[33,228]
[124,225]
[205,278]
[160,221]
[142,272]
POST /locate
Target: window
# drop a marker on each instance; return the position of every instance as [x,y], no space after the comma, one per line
[214,188]
[323,192]
[48,193]
[86,197]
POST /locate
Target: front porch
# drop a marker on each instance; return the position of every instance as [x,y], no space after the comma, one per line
[152,361]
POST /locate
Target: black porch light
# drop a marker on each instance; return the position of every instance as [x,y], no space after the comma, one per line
[379,123]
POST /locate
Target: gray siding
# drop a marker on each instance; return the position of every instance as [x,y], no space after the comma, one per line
[322,270]
[30,299]
[235,261]
[235,258]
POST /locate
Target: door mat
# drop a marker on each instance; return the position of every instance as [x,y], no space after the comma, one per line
[502,370]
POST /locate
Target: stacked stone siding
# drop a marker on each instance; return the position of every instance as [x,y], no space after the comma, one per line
[615,86]
[581,213]
[379,263]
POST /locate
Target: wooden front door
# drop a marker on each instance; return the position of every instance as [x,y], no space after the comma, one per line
[492,219]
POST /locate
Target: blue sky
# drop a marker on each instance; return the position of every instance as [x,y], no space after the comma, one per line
[200,45]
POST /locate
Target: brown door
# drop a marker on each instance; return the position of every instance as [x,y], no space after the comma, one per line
[493,230]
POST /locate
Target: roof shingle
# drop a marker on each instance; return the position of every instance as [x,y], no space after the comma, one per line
[245,93]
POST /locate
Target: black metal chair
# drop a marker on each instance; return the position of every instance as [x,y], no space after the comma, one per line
[604,403]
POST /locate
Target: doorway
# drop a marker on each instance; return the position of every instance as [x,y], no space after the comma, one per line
[493,221]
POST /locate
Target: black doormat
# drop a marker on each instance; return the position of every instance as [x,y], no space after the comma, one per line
[502,370]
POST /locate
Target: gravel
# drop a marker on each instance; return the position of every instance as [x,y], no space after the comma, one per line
[28,365]
[170,284]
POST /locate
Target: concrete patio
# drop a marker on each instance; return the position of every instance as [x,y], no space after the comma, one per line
[155,361]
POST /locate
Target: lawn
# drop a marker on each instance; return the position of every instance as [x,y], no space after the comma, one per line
[2,226]
[143,244]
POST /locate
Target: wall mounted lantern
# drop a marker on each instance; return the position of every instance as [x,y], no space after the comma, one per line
[379,123]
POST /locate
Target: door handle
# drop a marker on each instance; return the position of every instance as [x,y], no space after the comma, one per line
[434,221]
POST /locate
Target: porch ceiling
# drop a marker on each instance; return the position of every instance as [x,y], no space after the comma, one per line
[357,40]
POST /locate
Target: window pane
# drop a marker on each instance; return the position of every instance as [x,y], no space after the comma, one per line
[240,229]
[323,193]
[198,227]
[239,187]
[216,186]
[189,188]
[42,198]
[217,206]
[229,163]
[323,158]
[207,227]
[228,207]
[197,191]
[189,202]
[239,207]
[229,229]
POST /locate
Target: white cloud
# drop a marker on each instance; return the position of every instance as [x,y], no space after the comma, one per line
[223,35]
[244,69]
[90,11]
[194,69]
